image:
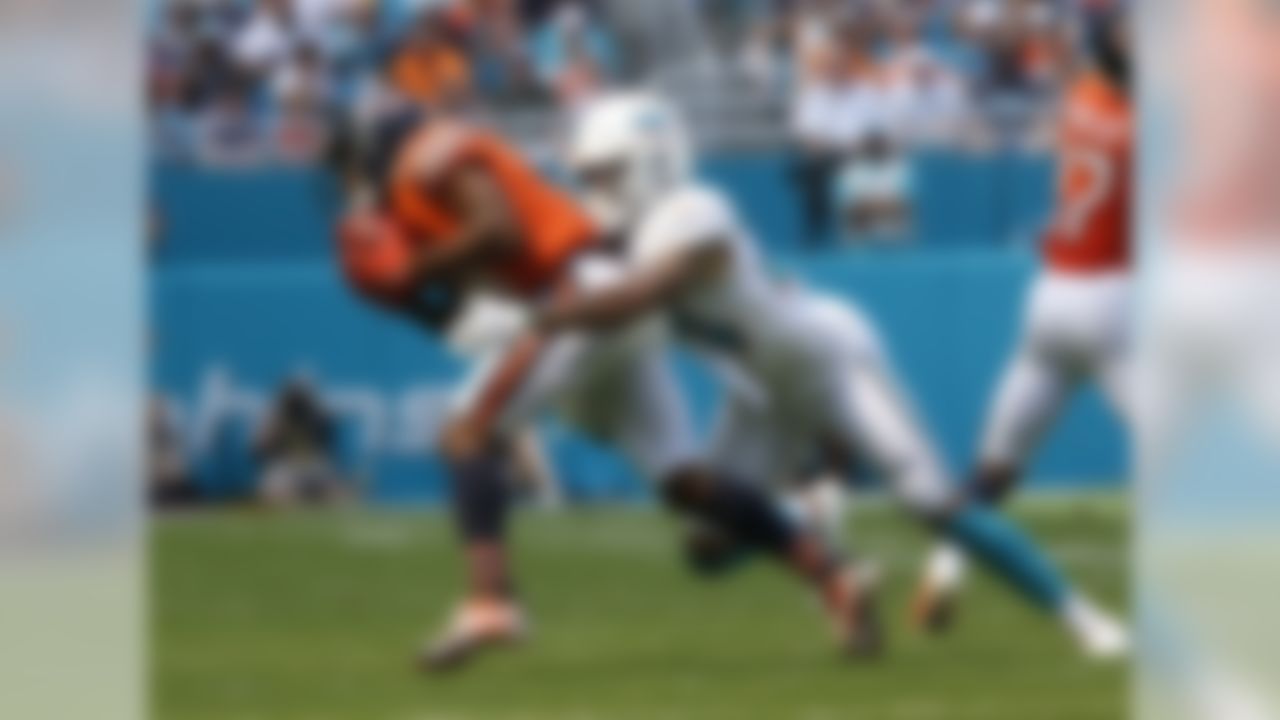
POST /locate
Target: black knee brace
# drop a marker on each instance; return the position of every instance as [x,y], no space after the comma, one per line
[481,497]
[740,510]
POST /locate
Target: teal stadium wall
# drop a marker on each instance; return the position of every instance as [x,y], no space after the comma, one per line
[244,294]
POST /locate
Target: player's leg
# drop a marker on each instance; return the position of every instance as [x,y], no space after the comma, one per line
[823,501]
[659,436]
[1029,396]
[742,446]
[500,397]
[880,421]
[756,439]
[534,472]
[877,421]
[1111,352]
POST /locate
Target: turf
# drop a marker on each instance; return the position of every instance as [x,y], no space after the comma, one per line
[315,616]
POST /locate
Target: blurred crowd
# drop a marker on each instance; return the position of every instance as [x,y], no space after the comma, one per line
[859,86]
[930,72]
[871,82]
[240,83]
[246,82]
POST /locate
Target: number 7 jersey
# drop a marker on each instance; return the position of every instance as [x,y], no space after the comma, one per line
[1090,231]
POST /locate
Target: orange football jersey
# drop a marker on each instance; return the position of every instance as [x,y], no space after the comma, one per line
[1090,231]
[553,228]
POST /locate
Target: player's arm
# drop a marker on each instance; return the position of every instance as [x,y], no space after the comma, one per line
[639,293]
[488,228]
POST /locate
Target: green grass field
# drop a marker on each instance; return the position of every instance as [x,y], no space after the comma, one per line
[315,617]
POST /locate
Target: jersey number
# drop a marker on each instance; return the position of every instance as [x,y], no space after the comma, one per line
[1087,178]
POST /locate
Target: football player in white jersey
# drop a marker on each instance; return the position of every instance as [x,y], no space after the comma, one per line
[801,369]
[618,389]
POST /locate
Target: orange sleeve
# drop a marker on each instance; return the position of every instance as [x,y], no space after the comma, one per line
[455,73]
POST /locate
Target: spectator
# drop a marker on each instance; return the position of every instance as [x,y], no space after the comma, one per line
[831,110]
[172,48]
[222,18]
[301,130]
[573,55]
[228,134]
[267,39]
[759,57]
[852,67]
[317,18]
[873,191]
[428,68]
[303,77]
[580,76]
[209,75]
[296,448]
[1009,90]
[348,34]
[302,92]
[813,40]
[171,59]
[925,102]
[936,107]
[499,50]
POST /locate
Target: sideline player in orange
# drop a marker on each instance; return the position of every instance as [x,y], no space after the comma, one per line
[1077,322]
[453,209]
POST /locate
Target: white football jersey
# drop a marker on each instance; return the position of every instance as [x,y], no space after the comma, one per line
[800,367]
[743,315]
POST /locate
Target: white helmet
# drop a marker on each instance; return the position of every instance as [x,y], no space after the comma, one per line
[626,151]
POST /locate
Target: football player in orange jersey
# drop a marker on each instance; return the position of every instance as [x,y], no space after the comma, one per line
[1077,323]
[455,211]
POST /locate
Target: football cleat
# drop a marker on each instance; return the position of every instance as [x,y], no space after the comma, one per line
[854,611]
[934,606]
[476,625]
[1100,636]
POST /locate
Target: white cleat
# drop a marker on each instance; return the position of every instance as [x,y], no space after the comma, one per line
[1101,637]
[476,625]
[933,608]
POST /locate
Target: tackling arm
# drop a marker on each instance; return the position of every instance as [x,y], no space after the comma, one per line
[637,294]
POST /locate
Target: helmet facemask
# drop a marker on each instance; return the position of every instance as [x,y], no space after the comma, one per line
[629,152]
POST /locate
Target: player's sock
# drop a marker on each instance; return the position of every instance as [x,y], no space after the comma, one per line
[934,606]
[992,538]
[821,504]
[994,483]
[944,568]
[480,498]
